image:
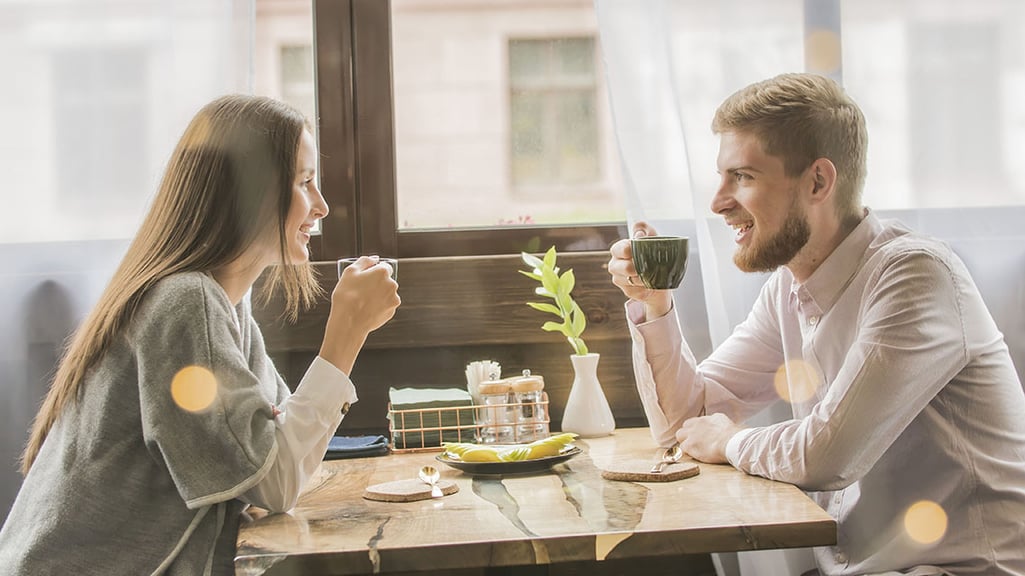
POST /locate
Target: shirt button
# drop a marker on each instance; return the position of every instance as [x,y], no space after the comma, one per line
[836,499]
[345,408]
[813,320]
[841,558]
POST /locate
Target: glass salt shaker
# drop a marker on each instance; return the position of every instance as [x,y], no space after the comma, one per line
[531,421]
[495,416]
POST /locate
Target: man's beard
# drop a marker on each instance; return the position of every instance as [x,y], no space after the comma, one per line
[779,249]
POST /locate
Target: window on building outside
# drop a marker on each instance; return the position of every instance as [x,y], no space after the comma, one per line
[554,135]
[472,127]
[501,116]
[297,84]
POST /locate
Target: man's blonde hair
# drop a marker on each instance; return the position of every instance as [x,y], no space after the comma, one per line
[800,118]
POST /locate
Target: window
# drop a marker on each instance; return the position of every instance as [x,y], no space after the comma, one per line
[463,127]
[553,118]
[297,84]
[100,110]
[946,167]
[97,94]
[943,91]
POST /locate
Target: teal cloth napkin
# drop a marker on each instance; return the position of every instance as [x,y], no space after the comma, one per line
[408,426]
[356,447]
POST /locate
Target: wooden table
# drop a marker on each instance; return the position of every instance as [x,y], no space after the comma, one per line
[568,520]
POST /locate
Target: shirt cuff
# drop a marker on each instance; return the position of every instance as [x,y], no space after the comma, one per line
[733,446]
[329,385]
[661,336]
[635,312]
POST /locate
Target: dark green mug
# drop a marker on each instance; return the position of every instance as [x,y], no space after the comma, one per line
[660,260]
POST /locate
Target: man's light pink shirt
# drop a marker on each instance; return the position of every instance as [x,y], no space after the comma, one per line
[909,395]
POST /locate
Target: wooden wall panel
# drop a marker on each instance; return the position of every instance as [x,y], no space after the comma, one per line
[465,300]
[461,309]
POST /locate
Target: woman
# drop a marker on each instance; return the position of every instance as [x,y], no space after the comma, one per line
[166,418]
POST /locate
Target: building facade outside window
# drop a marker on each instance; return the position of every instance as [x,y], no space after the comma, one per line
[481,141]
[298,87]
[553,124]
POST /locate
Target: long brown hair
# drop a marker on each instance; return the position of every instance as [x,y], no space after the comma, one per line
[231,173]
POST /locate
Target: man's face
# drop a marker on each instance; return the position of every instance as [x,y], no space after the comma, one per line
[760,202]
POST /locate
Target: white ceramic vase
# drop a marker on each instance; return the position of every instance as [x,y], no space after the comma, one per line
[587,411]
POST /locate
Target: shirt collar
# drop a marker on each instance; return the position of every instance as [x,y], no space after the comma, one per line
[829,279]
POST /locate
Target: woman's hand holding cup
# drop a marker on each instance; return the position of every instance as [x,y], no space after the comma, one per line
[363,300]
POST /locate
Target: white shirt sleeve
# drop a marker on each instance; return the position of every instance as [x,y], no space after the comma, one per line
[304,427]
[664,369]
[733,446]
[735,380]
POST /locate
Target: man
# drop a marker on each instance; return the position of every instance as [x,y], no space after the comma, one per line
[909,418]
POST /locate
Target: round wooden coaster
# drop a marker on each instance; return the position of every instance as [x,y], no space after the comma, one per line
[640,471]
[409,490]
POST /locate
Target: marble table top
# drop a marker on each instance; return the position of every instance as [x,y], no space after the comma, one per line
[566,514]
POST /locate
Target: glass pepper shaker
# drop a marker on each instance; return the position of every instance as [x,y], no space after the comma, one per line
[495,416]
[531,421]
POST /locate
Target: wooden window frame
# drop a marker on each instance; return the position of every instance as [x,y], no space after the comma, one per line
[353,55]
[462,298]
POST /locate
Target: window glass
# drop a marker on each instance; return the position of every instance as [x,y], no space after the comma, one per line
[553,121]
[99,159]
[943,91]
[283,53]
[95,96]
[297,85]
[942,88]
[283,56]
[501,115]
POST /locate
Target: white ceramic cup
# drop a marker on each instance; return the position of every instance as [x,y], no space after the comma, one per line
[391,262]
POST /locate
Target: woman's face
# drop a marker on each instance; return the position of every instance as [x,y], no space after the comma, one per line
[308,204]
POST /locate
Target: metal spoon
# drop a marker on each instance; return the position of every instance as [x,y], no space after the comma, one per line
[430,475]
[672,454]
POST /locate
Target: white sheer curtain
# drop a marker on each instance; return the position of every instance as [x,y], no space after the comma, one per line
[95,94]
[942,85]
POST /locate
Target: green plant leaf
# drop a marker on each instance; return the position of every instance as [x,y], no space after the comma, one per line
[550,280]
[578,345]
[568,280]
[565,303]
[578,320]
[552,327]
[559,288]
[550,258]
[544,307]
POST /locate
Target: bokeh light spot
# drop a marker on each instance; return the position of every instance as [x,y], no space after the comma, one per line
[194,388]
[797,381]
[925,522]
